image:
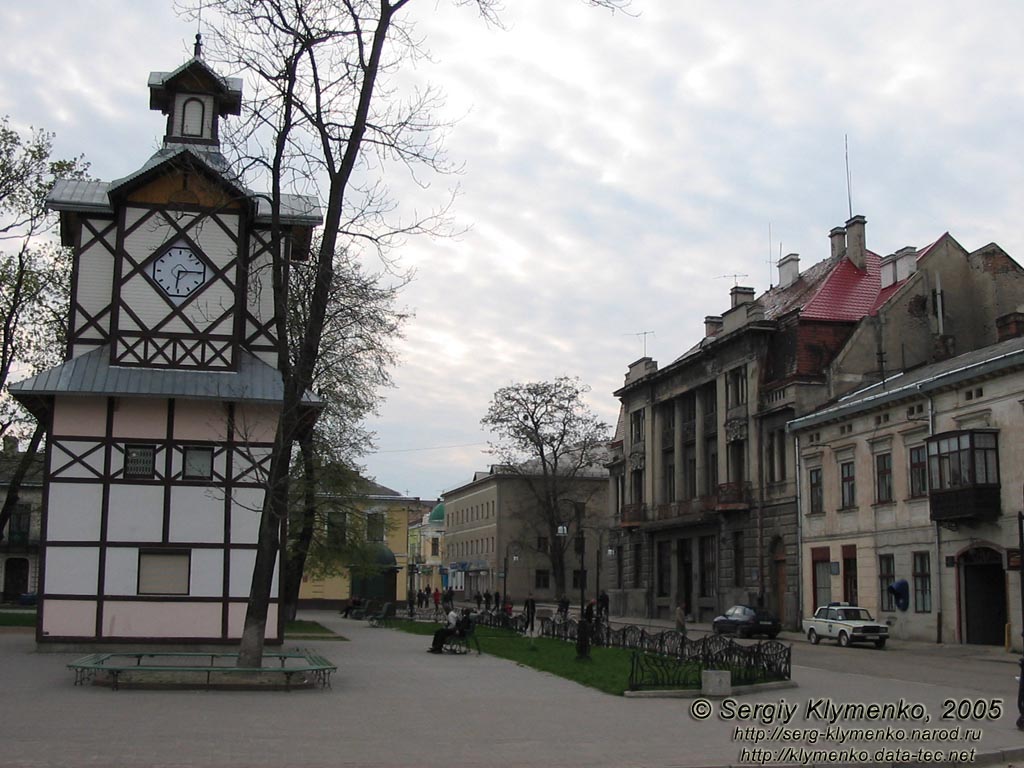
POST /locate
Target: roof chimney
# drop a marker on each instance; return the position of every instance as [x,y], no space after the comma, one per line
[712,325]
[838,238]
[1010,326]
[741,295]
[855,247]
[10,445]
[789,269]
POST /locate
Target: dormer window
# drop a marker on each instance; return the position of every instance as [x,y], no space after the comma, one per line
[193,117]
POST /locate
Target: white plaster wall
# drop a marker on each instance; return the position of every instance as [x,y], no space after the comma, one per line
[72,570]
[121,574]
[69,618]
[95,278]
[197,514]
[241,565]
[80,416]
[236,620]
[136,513]
[161,619]
[73,512]
[199,420]
[207,577]
[256,423]
[63,455]
[245,515]
[137,417]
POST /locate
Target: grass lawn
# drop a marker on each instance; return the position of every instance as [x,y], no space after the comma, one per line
[607,670]
[16,619]
[310,628]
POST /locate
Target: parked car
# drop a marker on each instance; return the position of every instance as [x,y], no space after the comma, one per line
[747,621]
[845,624]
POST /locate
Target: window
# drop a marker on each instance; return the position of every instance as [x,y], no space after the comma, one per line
[637,486]
[664,582]
[918,472]
[847,485]
[689,471]
[736,386]
[435,547]
[922,583]
[850,574]
[960,459]
[542,543]
[198,463]
[736,456]
[636,431]
[375,526]
[883,478]
[711,466]
[337,527]
[886,576]
[579,579]
[541,579]
[670,481]
[821,576]
[20,525]
[139,461]
[816,495]
[708,566]
[776,456]
[163,573]
[638,565]
[737,559]
[192,117]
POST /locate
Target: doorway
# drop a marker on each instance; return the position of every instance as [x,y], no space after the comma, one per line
[684,574]
[779,579]
[984,596]
[15,578]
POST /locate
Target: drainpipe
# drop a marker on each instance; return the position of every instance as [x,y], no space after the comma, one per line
[799,532]
[938,534]
[760,515]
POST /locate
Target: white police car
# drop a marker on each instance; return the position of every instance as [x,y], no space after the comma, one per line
[845,624]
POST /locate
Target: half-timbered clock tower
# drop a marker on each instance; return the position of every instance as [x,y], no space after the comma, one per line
[162,417]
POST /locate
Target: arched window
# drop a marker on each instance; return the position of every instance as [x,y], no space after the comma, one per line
[193,117]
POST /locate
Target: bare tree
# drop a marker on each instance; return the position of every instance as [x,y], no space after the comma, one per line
[326,106]
[34,278]
[549,438]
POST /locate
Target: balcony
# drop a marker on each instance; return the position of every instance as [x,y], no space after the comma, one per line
[632,515]
[977,504]
[734,496]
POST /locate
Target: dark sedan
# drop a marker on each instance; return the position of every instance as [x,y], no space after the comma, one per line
[745,621]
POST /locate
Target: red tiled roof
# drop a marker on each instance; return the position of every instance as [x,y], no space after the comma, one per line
[848,293]
[885,293]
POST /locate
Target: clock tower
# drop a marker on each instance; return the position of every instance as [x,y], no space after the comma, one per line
[161,420]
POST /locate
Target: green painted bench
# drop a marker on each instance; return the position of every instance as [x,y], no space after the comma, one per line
[116,663]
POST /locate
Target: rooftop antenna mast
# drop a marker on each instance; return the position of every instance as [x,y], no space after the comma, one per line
[644,335]
[849,182]
[769,255]
[735,277]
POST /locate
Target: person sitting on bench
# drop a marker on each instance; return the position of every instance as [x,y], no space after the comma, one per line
[456,623]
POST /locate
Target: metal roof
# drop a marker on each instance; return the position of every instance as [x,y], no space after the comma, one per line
[987,361]
[92,374]
[209,156]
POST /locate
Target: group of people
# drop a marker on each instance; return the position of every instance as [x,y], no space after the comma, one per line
[486,600]
[446,600]
[459,623]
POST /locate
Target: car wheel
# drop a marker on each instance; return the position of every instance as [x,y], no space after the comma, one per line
[844,639]
[812,637]
[880,643]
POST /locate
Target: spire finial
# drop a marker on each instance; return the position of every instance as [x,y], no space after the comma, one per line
[198,51]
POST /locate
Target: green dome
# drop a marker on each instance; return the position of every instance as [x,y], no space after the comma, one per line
[437,514]
[383,557]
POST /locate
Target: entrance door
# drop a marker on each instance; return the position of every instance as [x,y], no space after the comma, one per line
[984,596]
[779,579]
[15,578]
[684,574]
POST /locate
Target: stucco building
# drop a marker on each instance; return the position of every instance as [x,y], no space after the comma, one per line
[19,549]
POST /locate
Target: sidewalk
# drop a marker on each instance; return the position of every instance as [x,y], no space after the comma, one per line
[392,704]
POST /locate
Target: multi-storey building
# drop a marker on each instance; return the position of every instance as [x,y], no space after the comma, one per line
[918,479]
[19,548]
[494,539]
[426,549]
[161,420]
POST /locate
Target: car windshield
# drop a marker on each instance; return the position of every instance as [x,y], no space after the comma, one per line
[855,614]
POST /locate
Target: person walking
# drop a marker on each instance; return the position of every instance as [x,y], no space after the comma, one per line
[602,606]
[681,620]
[530,606]
[479,600]
[487,601]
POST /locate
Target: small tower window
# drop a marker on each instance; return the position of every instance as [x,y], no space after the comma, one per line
[193,117]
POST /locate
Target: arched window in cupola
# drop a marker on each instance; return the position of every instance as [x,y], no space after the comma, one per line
[193,117]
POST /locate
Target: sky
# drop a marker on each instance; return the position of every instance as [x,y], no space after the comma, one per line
[620,173]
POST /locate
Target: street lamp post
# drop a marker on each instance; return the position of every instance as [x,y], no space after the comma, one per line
[583,629]
[504,585]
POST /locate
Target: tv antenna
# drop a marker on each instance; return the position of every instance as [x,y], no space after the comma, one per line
[735,277]
[644,335]
[849,181]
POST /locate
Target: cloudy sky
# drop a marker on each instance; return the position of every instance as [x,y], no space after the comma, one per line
[618,170]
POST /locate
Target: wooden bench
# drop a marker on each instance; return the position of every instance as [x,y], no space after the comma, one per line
[382,619]
[114,664]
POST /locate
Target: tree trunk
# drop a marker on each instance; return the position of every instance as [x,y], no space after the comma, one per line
[295,564]
[14,487]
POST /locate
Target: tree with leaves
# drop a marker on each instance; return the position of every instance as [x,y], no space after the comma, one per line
[327,105]
[549,438]
[34,279]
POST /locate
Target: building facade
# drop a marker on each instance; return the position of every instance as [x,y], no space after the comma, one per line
[19,548]
[495,540]
[918,480]
[162,419]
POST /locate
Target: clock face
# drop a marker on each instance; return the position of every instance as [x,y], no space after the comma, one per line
[179,272]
